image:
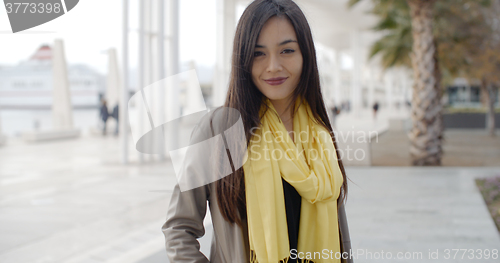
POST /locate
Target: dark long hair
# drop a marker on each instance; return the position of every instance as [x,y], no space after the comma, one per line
[244,96]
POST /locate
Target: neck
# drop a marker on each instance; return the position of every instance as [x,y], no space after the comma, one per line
[282,108]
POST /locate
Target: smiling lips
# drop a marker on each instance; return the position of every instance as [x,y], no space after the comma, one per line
[275,81]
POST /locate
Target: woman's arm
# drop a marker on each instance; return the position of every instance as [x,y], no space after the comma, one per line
[344,232]
[187,209]
[184,225]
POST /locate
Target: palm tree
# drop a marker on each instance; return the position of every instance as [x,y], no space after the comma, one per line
[426,133]
[466,40]
[396,44]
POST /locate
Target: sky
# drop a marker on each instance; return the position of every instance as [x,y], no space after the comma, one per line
[94,26]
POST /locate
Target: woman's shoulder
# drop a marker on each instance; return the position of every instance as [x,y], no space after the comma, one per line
[204,126]
[214,122]
[202,164]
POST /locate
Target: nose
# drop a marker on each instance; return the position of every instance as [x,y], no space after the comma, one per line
[274,64]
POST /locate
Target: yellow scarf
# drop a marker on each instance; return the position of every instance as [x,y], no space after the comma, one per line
[310,166]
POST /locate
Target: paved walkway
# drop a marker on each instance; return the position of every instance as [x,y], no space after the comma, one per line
[71,201]
[396,209]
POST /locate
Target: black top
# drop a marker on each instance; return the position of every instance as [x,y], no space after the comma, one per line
[292,205]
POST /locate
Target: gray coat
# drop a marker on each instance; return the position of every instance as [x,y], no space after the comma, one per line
[184,224]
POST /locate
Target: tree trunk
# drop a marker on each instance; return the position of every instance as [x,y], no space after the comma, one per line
[426,133]
[489,92]
[439,88]
[491,110]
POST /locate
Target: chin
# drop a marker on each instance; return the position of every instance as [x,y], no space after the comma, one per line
[274,96]
[277,94]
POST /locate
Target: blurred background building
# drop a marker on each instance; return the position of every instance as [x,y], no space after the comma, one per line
[29,84]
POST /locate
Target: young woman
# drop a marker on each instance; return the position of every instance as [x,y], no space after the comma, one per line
[286,203]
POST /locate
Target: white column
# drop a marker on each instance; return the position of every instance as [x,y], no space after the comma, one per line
[161,65]
[112,79]
[337,92]
[194,100]
[123,108]
[389,86]
[371,86]
[226,22]
[2,137]
[150,63]
[328,86]
[406,87]
[402,87]
[355,95]
[61,105]
[112,85]
[140,86]
[173,93]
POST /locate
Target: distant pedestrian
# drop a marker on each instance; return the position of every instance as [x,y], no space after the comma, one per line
[36,125]
[375,109]
[335,111]
[347,106]
[104,114]
[115,116]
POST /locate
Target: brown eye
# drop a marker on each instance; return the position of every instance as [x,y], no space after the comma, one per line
[257,53]
[288,51]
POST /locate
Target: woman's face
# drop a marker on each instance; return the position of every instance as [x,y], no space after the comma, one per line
[277,63]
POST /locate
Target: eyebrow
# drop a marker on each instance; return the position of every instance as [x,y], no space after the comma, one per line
[280,44]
